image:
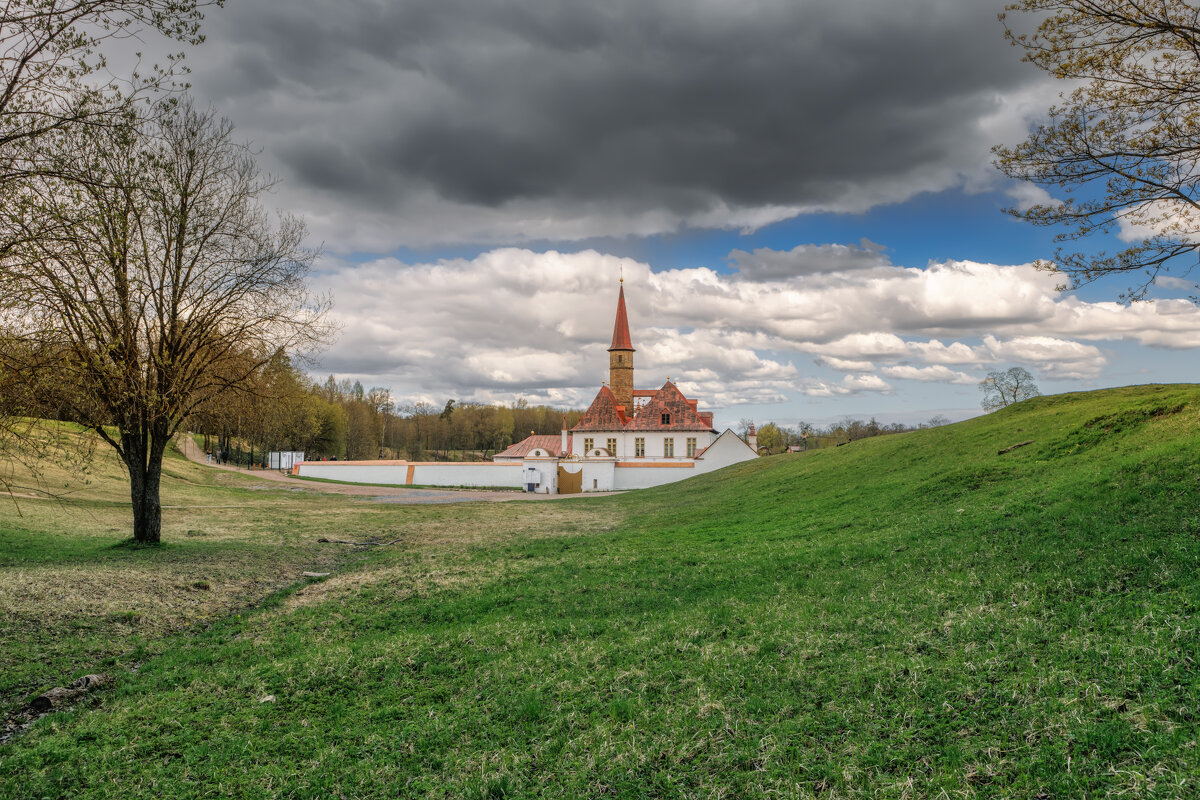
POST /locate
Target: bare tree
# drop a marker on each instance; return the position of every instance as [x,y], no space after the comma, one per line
[53,73]
[1125,143]
[147,272]
[52,76]
[1002,389]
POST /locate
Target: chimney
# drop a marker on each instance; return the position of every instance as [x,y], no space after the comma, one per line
[563,447]
[752,438]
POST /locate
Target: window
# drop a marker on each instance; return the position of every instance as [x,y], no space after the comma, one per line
[639,447]
[612,447]
[668,448]
[587,445]
[666,419]
[691,447]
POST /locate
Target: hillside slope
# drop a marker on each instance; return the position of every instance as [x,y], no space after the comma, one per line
[899,617]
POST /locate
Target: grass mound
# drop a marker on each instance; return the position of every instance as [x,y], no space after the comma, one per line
[903,617]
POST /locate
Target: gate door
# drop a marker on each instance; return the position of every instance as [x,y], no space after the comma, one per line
[570,482]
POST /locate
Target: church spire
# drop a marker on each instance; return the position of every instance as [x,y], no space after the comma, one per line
[620,358]
[621,328]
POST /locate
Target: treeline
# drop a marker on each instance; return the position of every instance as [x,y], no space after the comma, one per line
[776,439]
[332,419]
[284,409]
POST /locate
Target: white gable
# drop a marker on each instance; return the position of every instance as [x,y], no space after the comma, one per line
[725,450]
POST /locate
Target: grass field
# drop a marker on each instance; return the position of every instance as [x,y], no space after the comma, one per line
[908,616]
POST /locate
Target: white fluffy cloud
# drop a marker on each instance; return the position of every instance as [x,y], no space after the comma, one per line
[850,384]
[1173,219]
[1169,282]
[933,374]
[1027,195]
[844,364]
[514,322]
[1053,357]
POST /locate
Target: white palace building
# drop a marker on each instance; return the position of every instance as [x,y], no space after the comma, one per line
[628,439]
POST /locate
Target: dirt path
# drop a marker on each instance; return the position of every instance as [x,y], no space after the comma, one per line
[382,494]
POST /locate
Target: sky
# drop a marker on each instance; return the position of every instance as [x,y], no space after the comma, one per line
[798,194]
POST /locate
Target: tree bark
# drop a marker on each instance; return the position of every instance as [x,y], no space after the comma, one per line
[144,460]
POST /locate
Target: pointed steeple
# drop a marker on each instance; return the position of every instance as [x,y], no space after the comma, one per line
[620,358]
[620,340]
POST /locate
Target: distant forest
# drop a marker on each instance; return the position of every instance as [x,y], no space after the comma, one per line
[286,410]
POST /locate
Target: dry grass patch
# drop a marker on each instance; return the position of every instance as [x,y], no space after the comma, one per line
[72,599]
[489,524]
[434,539]
[152,602]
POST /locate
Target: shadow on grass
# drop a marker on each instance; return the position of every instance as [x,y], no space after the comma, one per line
[133,544]
[22,548]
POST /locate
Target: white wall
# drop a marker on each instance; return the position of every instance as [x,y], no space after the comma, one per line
[547,474]
[354,472]
[638,476]
[482,474]
[654,442]
[598,476]
[471,474]
[726,450]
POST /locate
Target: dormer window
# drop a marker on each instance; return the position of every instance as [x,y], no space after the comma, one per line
[666,419]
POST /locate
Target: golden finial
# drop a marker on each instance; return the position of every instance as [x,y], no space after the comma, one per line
[621,267]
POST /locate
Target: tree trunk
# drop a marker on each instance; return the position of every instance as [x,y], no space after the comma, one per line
[144,461]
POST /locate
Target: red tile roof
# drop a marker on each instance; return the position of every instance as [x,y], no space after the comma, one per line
[605,415]
[552,444]
[670,404]
[621,340]
[602,414]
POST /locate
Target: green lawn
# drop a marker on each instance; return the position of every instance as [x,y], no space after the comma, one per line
[901,617]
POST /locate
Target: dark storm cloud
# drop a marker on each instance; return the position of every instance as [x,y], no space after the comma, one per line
[765,264]
[611,111]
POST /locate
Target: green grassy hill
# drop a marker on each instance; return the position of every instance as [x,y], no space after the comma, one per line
[901,617]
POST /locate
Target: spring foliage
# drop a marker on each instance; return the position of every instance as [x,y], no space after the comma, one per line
[1123,144]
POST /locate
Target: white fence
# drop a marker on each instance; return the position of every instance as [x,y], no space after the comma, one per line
[284,459]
